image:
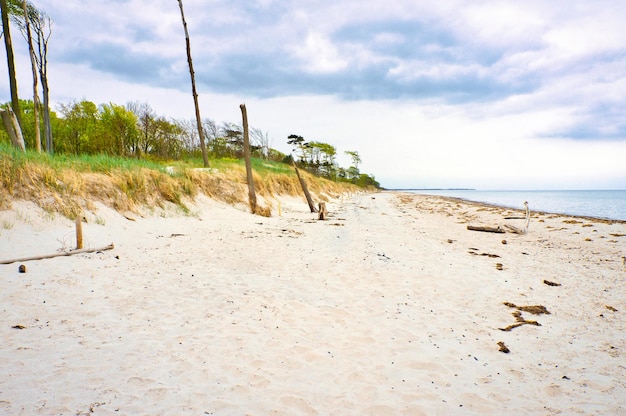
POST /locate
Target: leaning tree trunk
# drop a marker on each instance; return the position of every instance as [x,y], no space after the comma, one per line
[305,189]
[247,157]
[13,128]
[205,157]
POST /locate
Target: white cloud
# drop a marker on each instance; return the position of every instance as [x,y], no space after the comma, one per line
[317,54]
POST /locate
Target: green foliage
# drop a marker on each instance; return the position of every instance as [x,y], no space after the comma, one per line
[118,129]
[103,138]
[318,158]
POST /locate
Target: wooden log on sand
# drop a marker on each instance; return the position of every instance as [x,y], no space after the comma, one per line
[65,253]
[498,230]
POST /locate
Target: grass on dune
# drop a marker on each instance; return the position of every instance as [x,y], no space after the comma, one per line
[68,185]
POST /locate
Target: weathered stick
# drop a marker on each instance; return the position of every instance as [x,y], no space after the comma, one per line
[66,253]
[498,230]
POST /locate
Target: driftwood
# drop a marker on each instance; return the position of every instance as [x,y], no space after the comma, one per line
[510,228]
[65,253]
[498,229]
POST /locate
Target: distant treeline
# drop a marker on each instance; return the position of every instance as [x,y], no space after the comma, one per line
[135,130]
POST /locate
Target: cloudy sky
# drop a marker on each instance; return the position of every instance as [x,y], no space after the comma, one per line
[482,94]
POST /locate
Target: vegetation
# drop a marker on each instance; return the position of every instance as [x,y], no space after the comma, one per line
[68,184]
[136,131]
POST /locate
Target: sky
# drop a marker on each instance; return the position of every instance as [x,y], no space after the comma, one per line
[432,94]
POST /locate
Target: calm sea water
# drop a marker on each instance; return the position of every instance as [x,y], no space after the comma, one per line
[598,204]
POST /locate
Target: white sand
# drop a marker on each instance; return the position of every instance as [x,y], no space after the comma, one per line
[380,310]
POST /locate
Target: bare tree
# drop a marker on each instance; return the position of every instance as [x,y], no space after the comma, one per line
[261,140]
[36,26]
[146,122]
[205,157]
[24,25]
[43,30]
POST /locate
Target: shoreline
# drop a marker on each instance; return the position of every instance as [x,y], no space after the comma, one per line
[495,205]
[391,306]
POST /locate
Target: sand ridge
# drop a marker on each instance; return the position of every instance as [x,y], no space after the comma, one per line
[382,309]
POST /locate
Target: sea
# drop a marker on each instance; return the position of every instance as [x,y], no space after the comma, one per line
[607,204]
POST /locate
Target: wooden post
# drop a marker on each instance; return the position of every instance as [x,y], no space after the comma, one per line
[79,232]
[247,157]
[305,189]
[323,213]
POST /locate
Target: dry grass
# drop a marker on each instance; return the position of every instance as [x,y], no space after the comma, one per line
[69,191]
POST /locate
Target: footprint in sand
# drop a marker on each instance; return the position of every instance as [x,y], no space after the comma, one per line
[297,405]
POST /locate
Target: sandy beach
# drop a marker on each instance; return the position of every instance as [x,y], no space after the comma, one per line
[389,307]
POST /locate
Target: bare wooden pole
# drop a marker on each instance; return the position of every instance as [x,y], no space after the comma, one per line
[247,157]
[205,157]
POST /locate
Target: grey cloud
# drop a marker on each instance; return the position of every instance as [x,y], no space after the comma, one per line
[139,67]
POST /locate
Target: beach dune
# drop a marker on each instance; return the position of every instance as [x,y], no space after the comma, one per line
[389,307]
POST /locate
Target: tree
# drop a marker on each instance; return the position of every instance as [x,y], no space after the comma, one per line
[167,143]
[146,118]
[24,25]
[324,159]
[118,128]
[80,128]
[356,159]
[298,144]
[261,142]
[8,44]
[27,16]
[205,158]
[42,26]
[233,137]
[211,132]
[10,118]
